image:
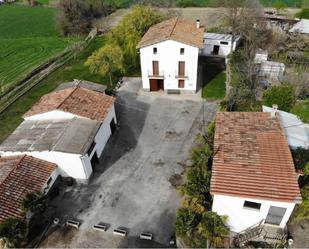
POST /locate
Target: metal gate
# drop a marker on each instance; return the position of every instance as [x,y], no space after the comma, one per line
[275,215]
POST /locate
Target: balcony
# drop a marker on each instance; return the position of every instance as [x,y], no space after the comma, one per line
[152,75]
[181,76]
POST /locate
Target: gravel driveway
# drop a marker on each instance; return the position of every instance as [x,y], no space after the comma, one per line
[134,185]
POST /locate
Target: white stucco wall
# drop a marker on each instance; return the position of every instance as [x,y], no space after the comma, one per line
[51,115]
[224,50]
[53,178]
[240,218]
[168,55]
[68,164]
[104,132]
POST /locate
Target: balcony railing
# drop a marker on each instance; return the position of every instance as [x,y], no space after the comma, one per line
[181,76]
[151,74]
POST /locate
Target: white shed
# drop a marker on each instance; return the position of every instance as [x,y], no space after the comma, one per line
[69,127]
[219,44]
[253,175]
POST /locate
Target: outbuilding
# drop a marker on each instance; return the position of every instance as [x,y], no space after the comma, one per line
[69,127]
[253,176]
[20,175]
[219,45]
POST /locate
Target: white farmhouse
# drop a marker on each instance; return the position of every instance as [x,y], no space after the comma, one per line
[253,175]
[219,45]
[169,54]
[68,127]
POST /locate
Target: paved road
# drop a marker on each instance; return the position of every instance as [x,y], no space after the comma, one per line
[132,186]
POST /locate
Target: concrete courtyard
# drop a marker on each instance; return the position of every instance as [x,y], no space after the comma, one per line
[134,185]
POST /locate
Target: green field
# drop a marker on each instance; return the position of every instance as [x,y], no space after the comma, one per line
[28,37]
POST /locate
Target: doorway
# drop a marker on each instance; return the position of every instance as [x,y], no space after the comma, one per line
[216,50]
[156,85]
[112,125]
[94,161]
[275,215]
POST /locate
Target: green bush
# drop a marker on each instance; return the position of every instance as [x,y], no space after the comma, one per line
[283,96]
[304,13]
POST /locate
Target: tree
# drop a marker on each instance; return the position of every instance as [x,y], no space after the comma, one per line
[212,227]
[75,16]
[283,96]
[186,222]
[131,29]
[106,61]
[12,232]
[34,202]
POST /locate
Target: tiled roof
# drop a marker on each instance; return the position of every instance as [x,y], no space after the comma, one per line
[178,29]
[252,158]
[76,100]
[20,175]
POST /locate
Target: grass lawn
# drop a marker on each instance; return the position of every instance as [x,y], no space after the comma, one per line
[301,109]
[215,89]
[74,69]
[28,37]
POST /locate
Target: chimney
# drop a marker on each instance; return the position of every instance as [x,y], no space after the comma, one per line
[274,111]
[198,23]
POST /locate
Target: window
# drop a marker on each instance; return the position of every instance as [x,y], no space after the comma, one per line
[155,50]
[91,148]
[252,205]
[182,51]
[224,43]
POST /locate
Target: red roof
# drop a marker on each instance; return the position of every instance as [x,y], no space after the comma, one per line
[76,100]
[20,175]
[252,158]
[177,29]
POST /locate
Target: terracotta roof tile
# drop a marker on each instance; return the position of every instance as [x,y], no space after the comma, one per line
[252,158]
[178,29]
[76,100]
[19,176]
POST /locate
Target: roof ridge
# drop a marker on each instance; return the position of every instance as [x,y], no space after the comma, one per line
[75,88]
[13,169]
[174,26]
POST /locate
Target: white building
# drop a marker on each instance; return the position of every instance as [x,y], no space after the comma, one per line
[69,127]
[301,27]
[169,56]
[219,45]
[296,131]
[253,175]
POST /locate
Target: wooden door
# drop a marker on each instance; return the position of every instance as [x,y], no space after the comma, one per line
[155,68]
[153,85]
[181,68]
[181,83]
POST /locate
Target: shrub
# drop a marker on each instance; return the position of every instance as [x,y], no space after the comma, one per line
[283,96]
[300,157]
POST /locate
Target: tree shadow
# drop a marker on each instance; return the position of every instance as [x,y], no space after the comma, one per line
[209,69]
